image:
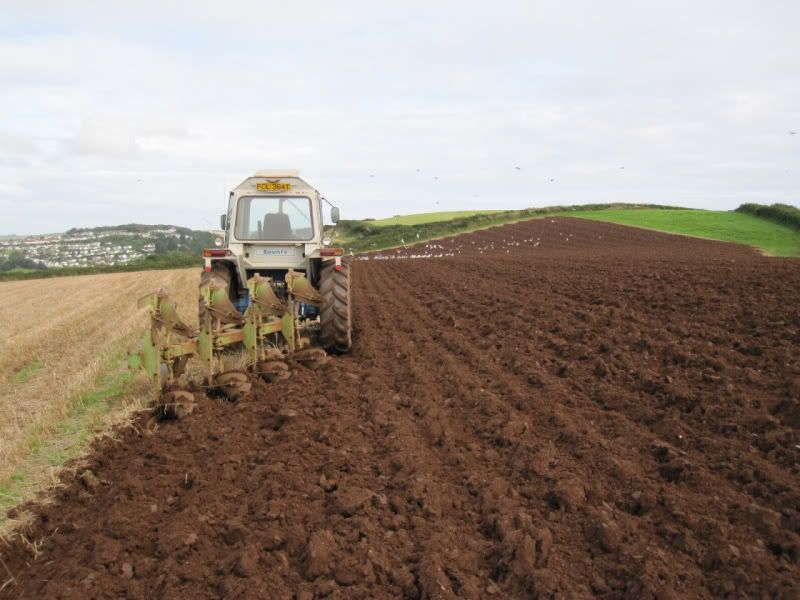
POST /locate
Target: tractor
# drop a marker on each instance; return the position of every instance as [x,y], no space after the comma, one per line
[273,283]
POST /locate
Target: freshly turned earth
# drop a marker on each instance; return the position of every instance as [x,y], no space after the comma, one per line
[555,408]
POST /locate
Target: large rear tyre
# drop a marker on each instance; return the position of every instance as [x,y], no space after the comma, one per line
[335,322]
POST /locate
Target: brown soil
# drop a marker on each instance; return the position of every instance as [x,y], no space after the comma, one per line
[560,408]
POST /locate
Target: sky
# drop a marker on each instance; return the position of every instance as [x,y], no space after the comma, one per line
[151,111]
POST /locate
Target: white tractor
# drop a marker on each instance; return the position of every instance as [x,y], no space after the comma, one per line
[274,226]
[273,284]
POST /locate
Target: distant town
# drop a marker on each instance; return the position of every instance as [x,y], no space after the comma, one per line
[101,246]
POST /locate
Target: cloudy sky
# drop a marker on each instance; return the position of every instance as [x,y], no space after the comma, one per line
[149,111]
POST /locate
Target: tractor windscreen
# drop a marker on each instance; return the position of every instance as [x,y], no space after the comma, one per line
[274,218]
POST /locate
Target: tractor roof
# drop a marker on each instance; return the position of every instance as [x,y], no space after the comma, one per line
[295,183]
[277,173]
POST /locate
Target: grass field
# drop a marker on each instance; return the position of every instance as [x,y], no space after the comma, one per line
[63,366]
[771,238]
[431,217]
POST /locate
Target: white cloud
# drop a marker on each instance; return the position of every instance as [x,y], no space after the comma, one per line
[106,137]
[12,191]
[750,106]
[147,111]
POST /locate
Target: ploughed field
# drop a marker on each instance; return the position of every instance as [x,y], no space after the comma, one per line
[553,408]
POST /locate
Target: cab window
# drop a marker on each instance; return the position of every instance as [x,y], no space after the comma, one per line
[274,218]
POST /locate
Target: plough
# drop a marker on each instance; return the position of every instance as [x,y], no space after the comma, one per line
[270,330]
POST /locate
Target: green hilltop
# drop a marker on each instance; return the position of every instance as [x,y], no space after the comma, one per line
[775,229]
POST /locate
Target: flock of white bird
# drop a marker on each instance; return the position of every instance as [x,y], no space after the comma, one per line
[456,247]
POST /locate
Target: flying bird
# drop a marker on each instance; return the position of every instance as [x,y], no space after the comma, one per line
[517,168]
[552,179]
[792,133]
[372,175]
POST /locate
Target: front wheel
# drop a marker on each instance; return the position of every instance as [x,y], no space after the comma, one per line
[335,320]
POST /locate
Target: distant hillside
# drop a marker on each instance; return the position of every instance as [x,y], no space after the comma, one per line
[127,247]
[772,229]
[369,234]
[132,227]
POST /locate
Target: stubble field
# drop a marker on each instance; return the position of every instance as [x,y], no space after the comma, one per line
[555,408]
[57,338]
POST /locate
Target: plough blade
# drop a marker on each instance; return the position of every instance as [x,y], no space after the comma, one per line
[220,306]
[234,385]
[312,358]
[272,370]
[175,404]
[165,313]
[300,287]
[263,297]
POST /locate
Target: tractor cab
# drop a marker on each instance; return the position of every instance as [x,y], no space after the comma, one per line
[274,224]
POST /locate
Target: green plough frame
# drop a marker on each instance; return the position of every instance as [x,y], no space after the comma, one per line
[170,343]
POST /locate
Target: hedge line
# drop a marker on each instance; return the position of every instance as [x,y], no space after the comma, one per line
[169,260]
[778,213]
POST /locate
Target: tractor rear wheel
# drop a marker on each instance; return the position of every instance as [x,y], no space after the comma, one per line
[335,322]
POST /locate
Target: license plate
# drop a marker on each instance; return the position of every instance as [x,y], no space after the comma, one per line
[273,186]
[276,252]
